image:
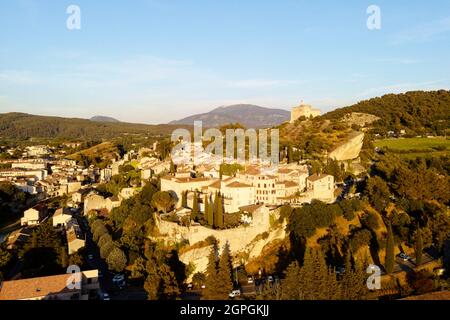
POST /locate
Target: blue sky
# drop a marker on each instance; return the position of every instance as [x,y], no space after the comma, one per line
[153,61]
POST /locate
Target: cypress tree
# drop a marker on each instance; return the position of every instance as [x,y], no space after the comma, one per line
[195,208]
[218,216]
[209,213]
[418,247]
[390,247]
[173,169]
[184,199]
[290,154]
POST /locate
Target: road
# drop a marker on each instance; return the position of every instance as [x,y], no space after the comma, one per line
[105,280]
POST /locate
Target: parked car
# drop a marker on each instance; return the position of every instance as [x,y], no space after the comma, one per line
[189,286]
[106,296]
[90,257]
[235,293]
[270,279]
[119,280]
[250,280]
[404,256]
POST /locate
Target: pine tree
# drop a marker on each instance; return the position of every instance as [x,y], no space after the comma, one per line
[316,280]
[211,275]
[390,247]
[418,247]
[168,283]
[195,209]
[353,282]
[224,274]
[291,290]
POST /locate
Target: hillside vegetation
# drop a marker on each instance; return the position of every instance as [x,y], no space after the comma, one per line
[417,112]
[24,126]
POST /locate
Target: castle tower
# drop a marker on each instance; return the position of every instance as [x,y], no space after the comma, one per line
[304,110]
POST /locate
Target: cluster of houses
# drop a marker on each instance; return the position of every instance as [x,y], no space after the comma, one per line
[290,184]
[50,178]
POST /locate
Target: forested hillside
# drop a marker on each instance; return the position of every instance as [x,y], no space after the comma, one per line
[419,112]
[23,126]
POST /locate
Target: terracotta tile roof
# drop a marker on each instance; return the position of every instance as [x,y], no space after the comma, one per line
[215,185]
[237,184]
[288,184]
[35,287]
[317,177]
[251,208]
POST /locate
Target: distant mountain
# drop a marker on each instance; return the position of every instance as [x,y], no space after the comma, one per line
[103,119]
[16,125]
[248,115]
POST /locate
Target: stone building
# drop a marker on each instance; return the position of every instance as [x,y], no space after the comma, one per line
[304,110]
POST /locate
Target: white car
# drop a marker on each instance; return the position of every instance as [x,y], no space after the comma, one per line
[106,297]
[235,293]
[250,280]
[90,257]
[270,279]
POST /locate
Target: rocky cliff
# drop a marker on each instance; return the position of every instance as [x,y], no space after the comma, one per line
[350,149]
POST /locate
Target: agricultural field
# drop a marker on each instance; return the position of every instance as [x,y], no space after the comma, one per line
[411,148]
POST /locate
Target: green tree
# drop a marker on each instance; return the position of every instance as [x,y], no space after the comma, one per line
[390,248]
[218,214]
[106,249]
[290,287]
[163,201]
[168,283]
[184,203]
[210,292]
[117,261]
[224,274]
[353,282]
[198,279]
[378,193]
[209,211]
[195,208]
[418,247]
[138,268]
